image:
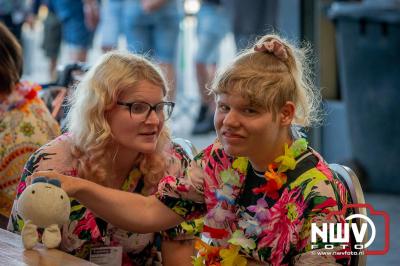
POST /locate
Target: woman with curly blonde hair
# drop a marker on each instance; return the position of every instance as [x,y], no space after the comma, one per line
[116,138]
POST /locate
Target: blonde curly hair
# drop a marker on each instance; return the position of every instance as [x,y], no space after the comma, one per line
[271,73]
[87,123]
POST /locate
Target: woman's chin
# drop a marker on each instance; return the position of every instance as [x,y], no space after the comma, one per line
[147,148]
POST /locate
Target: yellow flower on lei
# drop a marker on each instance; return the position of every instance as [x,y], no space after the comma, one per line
[240,164]
[230,256]
[286,161]
[197,261]
[239,239]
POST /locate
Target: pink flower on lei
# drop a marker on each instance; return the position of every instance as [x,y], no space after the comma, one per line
[284,225]
[260,210]
[219,214]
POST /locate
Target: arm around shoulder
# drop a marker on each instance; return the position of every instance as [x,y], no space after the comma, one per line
[129,211]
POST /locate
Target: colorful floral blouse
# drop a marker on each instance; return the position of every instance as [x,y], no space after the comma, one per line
[85,230]
[25,125]
[248,217]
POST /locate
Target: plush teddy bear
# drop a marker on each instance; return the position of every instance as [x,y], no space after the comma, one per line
[43,204]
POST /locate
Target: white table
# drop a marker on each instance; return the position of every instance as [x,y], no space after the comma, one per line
[12,252]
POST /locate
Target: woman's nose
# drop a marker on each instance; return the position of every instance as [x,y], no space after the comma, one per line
[152,118]
[231,119]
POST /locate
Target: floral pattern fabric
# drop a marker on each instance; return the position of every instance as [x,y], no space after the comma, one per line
[84,229]
[275,228]
[25,125]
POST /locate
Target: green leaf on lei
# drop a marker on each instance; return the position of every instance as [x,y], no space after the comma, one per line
[230,177]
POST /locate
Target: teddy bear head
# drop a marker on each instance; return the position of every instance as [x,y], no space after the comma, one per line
[44,203]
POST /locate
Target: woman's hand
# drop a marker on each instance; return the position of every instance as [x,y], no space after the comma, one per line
[152,5]
[91,13]
[69,184]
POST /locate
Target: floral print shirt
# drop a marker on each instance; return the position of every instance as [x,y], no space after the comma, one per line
[272,229]
[25,125]
[85,230]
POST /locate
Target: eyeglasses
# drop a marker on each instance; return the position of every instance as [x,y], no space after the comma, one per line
[143,109]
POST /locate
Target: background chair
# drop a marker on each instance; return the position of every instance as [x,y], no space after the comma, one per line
[55,94]
[353,186]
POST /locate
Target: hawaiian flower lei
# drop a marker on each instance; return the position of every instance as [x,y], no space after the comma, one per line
[248,226]
[276,179]
[24,93]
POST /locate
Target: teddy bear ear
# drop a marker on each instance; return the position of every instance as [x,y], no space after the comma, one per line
[40,179]
[55,182]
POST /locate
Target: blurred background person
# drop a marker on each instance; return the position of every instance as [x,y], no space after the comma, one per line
[213,23]
[154,31]
[79,19]
[13,14]
[52,34]
[252,19]
[116,20]
[25,122]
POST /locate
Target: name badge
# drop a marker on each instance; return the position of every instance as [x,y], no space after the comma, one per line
[106,256]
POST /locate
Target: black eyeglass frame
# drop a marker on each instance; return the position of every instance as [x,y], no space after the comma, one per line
[152,107]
